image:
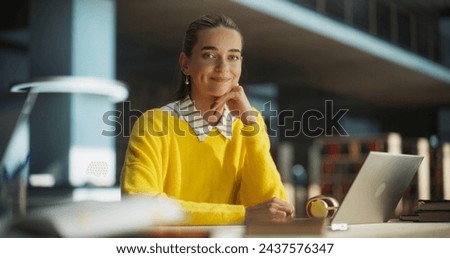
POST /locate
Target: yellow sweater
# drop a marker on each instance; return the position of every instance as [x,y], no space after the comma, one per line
[213,180]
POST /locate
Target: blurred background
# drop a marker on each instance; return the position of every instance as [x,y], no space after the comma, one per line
[377,72]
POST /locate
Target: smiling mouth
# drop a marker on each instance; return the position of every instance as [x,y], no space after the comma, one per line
[220,79]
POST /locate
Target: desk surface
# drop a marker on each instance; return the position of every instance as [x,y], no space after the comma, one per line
[378,230]
[396,229]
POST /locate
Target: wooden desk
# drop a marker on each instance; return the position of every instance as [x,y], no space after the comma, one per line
[395,229]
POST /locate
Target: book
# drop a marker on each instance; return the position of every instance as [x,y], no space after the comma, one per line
[433,205]
[434,216]
[430,211]
[131,215]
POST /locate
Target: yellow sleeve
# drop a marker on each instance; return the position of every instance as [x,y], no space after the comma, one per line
[213,213]
[260,178]
[142,172]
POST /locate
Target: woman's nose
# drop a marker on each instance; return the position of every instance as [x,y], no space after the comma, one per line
[221,64]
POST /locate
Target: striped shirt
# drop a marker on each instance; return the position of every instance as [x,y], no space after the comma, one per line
[186,110]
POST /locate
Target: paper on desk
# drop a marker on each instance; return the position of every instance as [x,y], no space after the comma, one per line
[102,219]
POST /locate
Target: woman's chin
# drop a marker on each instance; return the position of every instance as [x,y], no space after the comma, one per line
[220,92]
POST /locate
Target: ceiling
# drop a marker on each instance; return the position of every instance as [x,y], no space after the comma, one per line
[150,34]
[278,52]
[431,7]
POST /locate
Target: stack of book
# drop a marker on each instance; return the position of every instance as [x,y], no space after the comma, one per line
[431,211]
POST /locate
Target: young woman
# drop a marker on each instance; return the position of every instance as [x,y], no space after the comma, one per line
[208,149]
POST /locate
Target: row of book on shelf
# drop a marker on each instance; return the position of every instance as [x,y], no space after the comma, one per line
[430,211]
[335,161]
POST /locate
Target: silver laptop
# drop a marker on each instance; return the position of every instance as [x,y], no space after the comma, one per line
[377,189]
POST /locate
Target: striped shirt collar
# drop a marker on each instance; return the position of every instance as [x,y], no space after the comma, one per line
[186,110]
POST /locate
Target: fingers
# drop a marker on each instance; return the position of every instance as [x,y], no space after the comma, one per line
[234,94]
[217,107]
[214,115]
[238,104]
[275,210]
[283,206]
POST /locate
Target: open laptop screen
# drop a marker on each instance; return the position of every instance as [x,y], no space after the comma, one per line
[377,188]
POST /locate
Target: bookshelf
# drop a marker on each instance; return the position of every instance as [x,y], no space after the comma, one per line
[335,161]
[440,173]
[444,176]
[420,185]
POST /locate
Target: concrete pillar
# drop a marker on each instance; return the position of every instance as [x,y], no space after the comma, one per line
[71,38]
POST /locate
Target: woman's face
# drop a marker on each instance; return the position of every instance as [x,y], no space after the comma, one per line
[215,64]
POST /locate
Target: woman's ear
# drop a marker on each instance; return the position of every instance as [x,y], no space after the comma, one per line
[184,63]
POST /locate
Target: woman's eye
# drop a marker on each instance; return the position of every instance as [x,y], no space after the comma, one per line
[208,56]
[234,58]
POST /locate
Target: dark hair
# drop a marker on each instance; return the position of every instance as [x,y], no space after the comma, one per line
[190,39]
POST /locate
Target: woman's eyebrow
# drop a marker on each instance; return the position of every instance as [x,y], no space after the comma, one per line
[209,48]
[216,49]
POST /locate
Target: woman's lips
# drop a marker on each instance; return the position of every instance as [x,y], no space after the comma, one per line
[220,79]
